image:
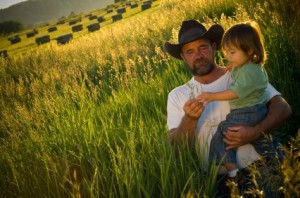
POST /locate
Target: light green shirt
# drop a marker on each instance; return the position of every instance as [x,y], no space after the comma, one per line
[249,84]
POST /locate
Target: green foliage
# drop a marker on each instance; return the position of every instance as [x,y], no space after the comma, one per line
[8,27]
[281,34]
[291,168]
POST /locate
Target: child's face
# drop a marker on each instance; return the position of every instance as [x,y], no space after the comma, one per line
[235,56]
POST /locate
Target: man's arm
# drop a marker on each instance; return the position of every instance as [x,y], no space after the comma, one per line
[278,112]
[186,128]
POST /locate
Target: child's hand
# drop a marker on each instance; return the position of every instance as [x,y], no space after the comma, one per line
[205,97]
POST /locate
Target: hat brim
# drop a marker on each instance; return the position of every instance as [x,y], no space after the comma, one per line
[174,49]
[215,34]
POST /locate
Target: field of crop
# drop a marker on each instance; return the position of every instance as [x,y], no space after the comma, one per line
[88,119]
[65,26]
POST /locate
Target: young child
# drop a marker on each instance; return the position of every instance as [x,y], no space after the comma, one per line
[243,47]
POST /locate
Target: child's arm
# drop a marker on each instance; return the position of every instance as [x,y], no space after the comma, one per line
[220,96]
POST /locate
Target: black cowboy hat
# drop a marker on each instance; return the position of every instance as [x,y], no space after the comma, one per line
[192,30]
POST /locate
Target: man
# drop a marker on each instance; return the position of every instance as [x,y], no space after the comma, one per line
[188,118]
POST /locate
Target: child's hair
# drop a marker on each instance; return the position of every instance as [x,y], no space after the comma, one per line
[247,37]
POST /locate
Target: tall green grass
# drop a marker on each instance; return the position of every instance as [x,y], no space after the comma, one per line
[88,119]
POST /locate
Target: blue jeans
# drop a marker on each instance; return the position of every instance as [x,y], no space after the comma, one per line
[243,116]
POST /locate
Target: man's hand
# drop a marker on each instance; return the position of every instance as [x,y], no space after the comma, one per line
[193,109]
[240,135]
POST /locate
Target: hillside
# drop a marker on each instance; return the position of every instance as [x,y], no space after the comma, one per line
[40,11]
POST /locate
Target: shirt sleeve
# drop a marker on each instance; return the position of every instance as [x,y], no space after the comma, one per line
[271,92]
[174,110]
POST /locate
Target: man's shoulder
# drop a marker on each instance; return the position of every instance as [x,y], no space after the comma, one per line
[182,92]
[220,84]
[182,89]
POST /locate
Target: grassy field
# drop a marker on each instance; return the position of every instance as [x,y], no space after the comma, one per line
[88,119]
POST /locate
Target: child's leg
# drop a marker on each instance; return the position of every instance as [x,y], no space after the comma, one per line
[217,145]
[232,169]
[219,152]
[269,147]
[244,116]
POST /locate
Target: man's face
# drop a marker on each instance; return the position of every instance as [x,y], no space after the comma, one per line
[199,56]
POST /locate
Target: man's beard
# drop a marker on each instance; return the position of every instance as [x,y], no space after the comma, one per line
[201,67]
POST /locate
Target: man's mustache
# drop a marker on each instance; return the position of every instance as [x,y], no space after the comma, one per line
[200,61]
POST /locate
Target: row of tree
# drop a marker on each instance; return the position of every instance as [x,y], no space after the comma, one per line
[8,27]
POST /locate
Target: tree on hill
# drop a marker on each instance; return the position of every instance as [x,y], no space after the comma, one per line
[8,27]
